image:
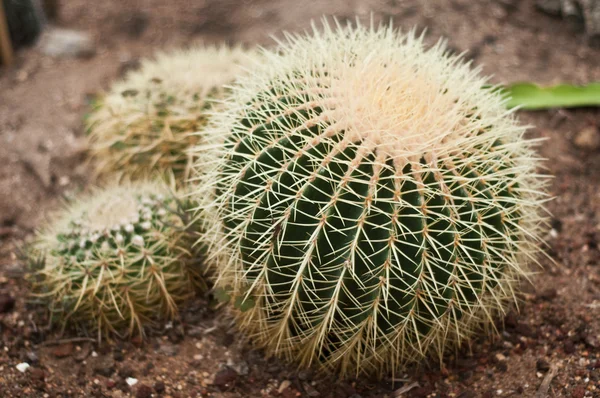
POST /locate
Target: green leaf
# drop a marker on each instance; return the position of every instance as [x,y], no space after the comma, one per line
[531,96]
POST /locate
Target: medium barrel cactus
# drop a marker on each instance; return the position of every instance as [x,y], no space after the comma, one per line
[374,202]
[144,125]
[118,260]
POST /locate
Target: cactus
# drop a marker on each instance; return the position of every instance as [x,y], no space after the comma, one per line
[374,204]
[118,260]
[144,124]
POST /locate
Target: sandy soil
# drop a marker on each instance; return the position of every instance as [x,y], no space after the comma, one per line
[42,159]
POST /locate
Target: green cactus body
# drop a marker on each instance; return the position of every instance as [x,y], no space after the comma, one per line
[118,261]
[375,205]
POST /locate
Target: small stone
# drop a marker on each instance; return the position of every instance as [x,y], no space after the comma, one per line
[569,347]
[118,356]
[57,42]
[105,366]
[224,377]
[588,139]
[63,181]
[63,350]
[242,368]
[500,357]
[143,391]
[591,341]
[131,381]
[284,386]
[32,357]
[502,366]
[22,367]
[7,303]
[37,374]
[84,352]
[148,368]
[159,387]
[548,294]
[168,349]
[542,365]
[578,392]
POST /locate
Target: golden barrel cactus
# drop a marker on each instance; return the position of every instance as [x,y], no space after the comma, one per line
[374,203]
[144,125]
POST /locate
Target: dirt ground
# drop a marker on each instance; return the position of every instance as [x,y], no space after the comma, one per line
[550,347]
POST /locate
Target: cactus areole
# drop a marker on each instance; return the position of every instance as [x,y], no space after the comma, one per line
[377,205]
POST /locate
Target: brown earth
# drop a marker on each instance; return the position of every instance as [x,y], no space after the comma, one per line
[554,338]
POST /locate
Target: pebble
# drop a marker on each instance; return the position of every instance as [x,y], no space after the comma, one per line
[143,391]
[548,294]
[587,139]
[105,366]
[37,374]
[63,350]
[131,381]
[22,367]
[168,349]
[578,392]
[284,386]
[225,377]
[242,368]
[159,386]
[7,303]
[32,357]
[63,43]
[82,353]
[569,347]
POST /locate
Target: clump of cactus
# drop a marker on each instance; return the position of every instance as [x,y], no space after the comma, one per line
[374,203]
[117,261]
[144,125]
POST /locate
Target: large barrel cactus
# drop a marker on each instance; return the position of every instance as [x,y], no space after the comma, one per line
[374,202]
[117,261]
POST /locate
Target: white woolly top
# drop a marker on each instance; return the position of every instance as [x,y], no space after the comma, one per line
[384,89]
[182,73]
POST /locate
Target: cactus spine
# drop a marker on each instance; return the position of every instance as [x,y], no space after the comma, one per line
[117,261]
[145,124]
[373,204]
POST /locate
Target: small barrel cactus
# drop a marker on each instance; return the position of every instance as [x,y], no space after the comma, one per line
[118,260]
[374,202]
[144,124]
